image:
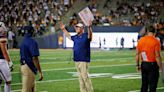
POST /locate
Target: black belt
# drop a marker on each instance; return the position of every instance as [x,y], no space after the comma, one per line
[152,63]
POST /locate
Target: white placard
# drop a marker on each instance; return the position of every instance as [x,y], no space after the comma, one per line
[86,16]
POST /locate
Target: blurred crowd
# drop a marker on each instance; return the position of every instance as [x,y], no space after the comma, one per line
[41,14]
[125,12]
[44,14]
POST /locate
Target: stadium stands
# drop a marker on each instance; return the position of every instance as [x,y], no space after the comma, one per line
[44,15]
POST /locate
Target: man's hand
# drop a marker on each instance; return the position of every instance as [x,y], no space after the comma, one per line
[62,26]
[90,23]
[11,65]
[40,77]
[138,68]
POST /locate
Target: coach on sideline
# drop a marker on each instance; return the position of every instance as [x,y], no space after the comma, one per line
[81,51]
[29,52]
[149,49]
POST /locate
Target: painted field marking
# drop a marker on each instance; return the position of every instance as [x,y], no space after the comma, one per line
[139,90]
[89,67]
[18,90]
[94,75]
[112,75]
[127,76]
[49,81]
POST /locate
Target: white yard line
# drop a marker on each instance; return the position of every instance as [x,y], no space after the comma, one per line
[92,59]
[66,62]
[14,84]
[60,80]
[68,69]
[139,90]
[89,67]
[18,90]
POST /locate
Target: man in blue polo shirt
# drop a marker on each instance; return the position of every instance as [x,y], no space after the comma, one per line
[29,53]
[81,50]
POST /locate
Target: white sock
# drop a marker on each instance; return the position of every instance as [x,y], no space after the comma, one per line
[7,88]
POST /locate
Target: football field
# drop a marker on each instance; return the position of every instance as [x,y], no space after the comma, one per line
[110,71]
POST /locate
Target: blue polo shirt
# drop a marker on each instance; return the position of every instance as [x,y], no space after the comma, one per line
[81,47]
[28,49]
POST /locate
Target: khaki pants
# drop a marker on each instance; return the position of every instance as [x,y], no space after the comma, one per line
[28,79]
[84,80]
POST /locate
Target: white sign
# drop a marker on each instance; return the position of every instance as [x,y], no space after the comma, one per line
[86,16]
[109,40]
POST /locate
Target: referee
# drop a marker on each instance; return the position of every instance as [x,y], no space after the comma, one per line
[148,49]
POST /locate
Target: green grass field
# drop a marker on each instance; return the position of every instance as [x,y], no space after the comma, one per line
[110,71]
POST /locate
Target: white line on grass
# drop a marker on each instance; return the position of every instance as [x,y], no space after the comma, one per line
[71,68]
[92,59]
[60,80]
[139,90]
[73,61]
[54,62]
[14,84]
[74,67]
[18,90]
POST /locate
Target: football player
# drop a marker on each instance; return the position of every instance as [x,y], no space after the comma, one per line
[6,64]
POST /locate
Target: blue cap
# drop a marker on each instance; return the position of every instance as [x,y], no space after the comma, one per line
[28,29]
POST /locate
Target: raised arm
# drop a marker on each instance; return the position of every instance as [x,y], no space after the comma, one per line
[90,31]
[62,27]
